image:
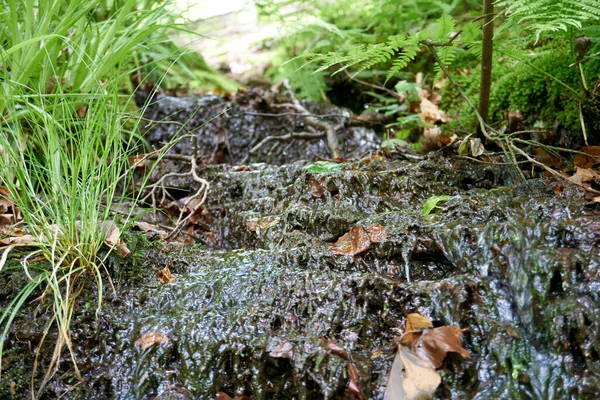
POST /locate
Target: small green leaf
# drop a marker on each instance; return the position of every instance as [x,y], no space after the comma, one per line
[432,202]
[463,149]
[391,144]
[324,167]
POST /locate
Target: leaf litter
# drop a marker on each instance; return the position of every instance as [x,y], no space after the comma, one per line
[422,349]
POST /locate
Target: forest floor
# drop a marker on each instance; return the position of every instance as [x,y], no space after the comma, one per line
[263,268]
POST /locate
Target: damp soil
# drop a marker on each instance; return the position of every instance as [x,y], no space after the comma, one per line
[516,265]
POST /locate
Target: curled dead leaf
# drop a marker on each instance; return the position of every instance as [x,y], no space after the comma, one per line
[414,322]
[151,339]
[587,160]
[113,238]
[358,240]
[411,378]
[584,175]
[147,227]
[332,347]
[353,386]
[476,147]
[225,396]
[352,243]
[430,113]
[20,240]
[317,188]
[434,344]
[165,276]
[258,224]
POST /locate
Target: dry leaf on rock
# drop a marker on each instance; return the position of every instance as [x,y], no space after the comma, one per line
[225,396]
[358,240]
[352,243]
[548,159]
[332,347]
[165,276]
[113,238]
[415,321]
[151,339]
[430,113]
[411,378]
[147,227]
[21,240]
[476,147]
[587,160]
[258,224]
[429,139]
[353,386]
[584,175]
[434,344]
[317,188]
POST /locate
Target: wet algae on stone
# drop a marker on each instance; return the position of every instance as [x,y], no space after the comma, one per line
[515,264]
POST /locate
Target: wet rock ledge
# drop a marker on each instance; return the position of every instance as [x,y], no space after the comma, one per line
[248,310]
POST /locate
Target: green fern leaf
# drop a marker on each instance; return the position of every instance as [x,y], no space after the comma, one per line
[444,27]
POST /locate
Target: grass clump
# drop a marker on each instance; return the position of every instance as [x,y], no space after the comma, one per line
[63,147]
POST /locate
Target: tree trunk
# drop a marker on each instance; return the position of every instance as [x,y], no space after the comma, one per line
[486,63]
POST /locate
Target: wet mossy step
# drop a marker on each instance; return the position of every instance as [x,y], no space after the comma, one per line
[285,199]
[522,283]
[227,310]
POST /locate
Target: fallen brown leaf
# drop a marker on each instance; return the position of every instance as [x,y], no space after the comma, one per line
[352,243]
[147,227]
[415,321]
[317,188]
[434,344]
[411,378]
[82,111]
[353,386]
[258,224]
[225,396]
[113,238]
[358,240]
[151,339]
[430,113]
[587,160]
[20,240]
[332,347]
[165,276]
[584,175]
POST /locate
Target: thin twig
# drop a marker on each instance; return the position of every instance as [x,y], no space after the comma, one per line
[292,135]
[332,139]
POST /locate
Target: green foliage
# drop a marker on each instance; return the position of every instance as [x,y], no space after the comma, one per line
[549,16]
[533,51]
[357,34]
[73,50]
[399,49]
[542,86]
[305,80]
[432,203]
[64,151]
[320,167]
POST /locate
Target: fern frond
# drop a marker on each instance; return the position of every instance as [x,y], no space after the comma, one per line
[447,55]
[409,53]
[443,28]
[544,16]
